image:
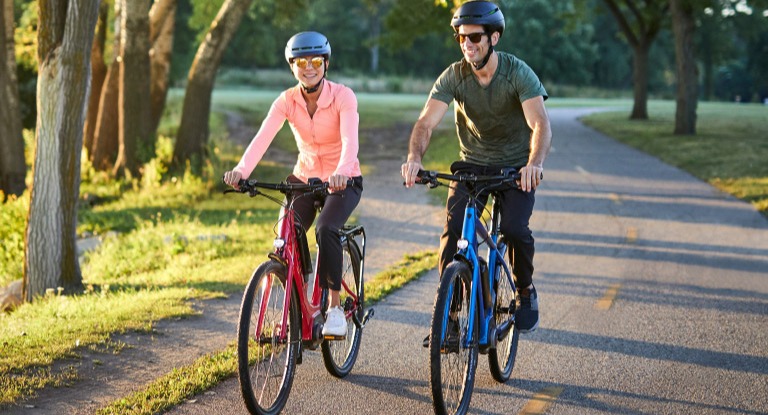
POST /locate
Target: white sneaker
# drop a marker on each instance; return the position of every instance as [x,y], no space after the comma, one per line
[335,323]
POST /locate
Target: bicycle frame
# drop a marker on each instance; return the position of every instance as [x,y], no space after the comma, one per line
[480,303]
[288,251]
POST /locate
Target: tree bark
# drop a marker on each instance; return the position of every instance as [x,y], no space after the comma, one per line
[65,36]
[98,75]
[136,145]
[162,19]
[13,168]
[640,81]
[192,138]
[684,26]
[106,139]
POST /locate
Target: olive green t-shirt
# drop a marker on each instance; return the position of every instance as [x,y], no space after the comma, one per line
[489,120]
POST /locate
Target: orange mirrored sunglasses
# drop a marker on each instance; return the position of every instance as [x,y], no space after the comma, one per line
[302,63]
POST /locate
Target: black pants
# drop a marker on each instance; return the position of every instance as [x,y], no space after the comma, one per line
[335,213]
[516,210]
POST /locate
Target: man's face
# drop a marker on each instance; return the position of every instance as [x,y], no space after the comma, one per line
[474,52]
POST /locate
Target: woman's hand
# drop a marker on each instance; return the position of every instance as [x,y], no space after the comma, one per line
[337,182]
[232,178]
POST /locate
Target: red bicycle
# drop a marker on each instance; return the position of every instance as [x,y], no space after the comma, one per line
[279,318]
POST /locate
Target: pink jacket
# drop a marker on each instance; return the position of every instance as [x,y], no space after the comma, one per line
[327,142]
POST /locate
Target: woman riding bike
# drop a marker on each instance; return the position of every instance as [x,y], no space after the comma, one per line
[324,120]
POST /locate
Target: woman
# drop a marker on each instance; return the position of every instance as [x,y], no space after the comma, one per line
[324,120]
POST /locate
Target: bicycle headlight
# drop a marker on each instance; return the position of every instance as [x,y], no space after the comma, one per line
[278,243]
[462,244]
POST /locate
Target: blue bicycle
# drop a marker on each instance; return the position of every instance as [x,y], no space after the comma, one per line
[475,303]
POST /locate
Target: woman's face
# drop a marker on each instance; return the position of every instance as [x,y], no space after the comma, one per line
[309,70]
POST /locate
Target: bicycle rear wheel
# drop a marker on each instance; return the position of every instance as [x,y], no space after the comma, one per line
[266,365]
[452,363]
[501,360]
[339,356]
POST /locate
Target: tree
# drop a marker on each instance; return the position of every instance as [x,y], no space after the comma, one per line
[13,169]
[65,36]
[640,23]
[137,145]
[162,19]
[192,137]
[98,75]
[106,134]
[684,26]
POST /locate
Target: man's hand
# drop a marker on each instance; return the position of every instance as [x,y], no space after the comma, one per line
[409,171]
[530,177]
[337,182]
[232,178]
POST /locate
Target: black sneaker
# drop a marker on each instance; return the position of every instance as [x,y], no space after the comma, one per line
[527,311]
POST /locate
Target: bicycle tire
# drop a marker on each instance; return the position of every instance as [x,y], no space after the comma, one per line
[339,356]
[501,359]
[452,375]
[266,370]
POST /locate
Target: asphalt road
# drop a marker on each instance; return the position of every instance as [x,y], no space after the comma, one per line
[653,291]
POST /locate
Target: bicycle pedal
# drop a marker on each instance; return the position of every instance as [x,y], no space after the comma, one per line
[332,337]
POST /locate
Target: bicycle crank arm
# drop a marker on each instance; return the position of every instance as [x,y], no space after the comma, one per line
[503,329]
[366,317]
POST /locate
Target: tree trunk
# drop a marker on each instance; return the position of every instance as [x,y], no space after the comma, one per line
[136,145]
[98,74]
[106,138]
[192,137]
[162,19]
[65,36]
[684,26]
[640,82]
[13,168]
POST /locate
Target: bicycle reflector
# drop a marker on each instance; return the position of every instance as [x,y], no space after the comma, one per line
[462,244]
[278,243]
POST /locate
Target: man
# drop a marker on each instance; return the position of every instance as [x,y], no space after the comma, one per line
[501,122]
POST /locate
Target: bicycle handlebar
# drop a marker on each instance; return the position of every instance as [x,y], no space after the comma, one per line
[314,185]
[430,177]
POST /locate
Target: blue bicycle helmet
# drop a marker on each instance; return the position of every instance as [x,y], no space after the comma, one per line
[482,13]
[307,44]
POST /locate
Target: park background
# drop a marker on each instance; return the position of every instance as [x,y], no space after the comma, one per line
[79,139]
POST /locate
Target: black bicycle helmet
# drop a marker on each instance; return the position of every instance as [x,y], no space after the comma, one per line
[482,13]
[307,44]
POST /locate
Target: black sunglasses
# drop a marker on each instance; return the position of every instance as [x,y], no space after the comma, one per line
[473,37]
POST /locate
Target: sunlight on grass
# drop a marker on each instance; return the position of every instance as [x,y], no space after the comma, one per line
[57,326]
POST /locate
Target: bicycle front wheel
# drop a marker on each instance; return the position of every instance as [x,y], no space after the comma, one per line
[501,360]
[339,356]
[267,363]
[452,360]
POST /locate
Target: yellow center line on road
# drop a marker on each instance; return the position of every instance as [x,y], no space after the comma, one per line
[541,401]
[610,295]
